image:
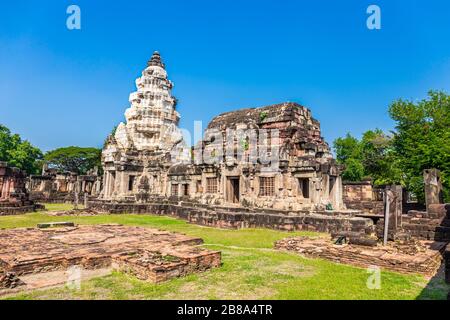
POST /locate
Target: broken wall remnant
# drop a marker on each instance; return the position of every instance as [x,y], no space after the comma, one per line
[433,187]
[150,254]
[362,195]
[422,257]
[14,198]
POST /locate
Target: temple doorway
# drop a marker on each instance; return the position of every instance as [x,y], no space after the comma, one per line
[233,189]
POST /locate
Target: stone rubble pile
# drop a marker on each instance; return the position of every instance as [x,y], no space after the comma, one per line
[425,259]
[151,254]
[9,280]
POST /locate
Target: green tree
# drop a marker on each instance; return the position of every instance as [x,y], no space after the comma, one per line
[379,158]
[347,148]
[422,139]
[19,153]
[348,153]
[371,157]
[354,170]
[74,159]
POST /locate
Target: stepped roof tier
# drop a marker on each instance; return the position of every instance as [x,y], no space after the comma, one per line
[151,120]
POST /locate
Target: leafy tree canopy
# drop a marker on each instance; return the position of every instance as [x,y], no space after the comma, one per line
[19,153]
[74,159]
[371,157]
[422,139]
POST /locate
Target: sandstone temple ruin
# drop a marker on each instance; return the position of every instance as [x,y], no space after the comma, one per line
[14,197]
[256,167]
[263,167]
[53,186]
[146,158]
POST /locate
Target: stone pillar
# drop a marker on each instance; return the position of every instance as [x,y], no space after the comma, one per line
[85,200]
[1,187]
[106,185]
[6,188]
[103,191]
[123,183]
[336,194]
[433,187]
[393,208]
[113,180]
[315,190]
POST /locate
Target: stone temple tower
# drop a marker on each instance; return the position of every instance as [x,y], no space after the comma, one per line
[149,141]
[152,119]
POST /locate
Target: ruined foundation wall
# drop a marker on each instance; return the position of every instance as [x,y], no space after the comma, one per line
[424,257]
[236,218]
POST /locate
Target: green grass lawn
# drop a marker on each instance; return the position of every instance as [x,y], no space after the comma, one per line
[251,269]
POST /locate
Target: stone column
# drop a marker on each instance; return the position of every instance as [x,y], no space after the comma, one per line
[433,187]
[336,194]
[393,209]
[315,193]
[106,184]
[113,179]
[6,186]
[124,183]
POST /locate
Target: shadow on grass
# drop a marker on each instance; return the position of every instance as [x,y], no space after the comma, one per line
[436,288]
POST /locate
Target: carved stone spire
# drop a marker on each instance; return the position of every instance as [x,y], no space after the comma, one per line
[155,60]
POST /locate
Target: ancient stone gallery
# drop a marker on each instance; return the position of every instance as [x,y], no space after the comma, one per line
[14,197]
[269,157]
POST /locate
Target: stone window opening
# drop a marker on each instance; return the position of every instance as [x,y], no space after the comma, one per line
[185,190]
[174,190]
[267,186]
[131,180]
[211,185]
[303,186]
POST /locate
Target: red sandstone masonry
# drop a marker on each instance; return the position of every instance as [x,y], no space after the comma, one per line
[236,218]
[151,254]
[423,257]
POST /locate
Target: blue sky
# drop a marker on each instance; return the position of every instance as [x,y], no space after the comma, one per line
[61,87]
